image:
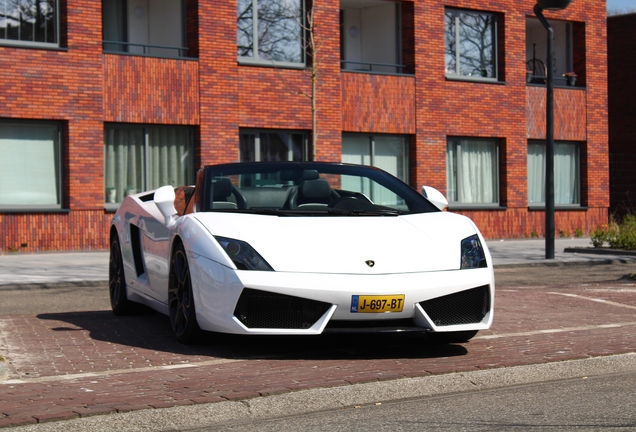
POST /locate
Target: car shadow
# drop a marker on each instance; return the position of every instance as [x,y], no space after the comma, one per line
[153,331]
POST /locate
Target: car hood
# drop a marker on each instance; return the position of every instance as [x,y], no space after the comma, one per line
[348,245]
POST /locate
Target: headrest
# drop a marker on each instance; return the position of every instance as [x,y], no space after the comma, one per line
[318,188]
[221,188]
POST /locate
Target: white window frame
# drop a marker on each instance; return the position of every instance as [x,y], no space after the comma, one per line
[458,172]
[33,44]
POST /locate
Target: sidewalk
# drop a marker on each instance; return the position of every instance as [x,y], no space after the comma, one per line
[54,268]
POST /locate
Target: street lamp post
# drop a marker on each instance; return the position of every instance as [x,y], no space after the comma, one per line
[549,123]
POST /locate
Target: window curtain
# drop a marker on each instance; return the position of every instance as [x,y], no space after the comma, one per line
[170,159]
[30,165]
[472,172]
[125,163]
[536,173]
[169,153]
[566,174]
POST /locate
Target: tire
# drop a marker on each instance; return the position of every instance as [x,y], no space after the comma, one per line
[180,299]
[117,281]
[452,337]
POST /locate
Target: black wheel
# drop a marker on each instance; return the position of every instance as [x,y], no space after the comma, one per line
[180,299]
[452,337]
[117,281]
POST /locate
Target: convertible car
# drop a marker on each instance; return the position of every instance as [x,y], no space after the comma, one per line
[291,248]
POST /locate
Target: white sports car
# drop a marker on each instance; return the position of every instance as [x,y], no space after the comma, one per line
[292,248]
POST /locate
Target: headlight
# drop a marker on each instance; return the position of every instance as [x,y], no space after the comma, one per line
[243,255]
[473,253]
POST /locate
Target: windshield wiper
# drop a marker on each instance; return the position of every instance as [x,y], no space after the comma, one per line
[367,212]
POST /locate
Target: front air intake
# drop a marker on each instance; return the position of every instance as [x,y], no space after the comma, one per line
[464,307]
[262,309]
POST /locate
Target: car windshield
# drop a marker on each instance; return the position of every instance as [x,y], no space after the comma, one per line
[308,188]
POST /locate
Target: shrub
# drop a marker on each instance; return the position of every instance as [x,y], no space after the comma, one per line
[621,236]
[625,237]
[599,236]
[578,233]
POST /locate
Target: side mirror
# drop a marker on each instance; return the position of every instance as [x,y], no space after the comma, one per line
[164,200]
[435,197]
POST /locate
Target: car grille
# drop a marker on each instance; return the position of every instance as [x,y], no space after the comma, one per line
[464,307]
[373,326]
[262,309]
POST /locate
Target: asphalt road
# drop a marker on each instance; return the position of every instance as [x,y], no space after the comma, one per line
[583,404]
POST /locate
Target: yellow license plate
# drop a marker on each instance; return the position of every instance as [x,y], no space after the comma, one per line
[377,303]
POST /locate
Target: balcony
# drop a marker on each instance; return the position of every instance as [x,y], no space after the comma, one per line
[153,28]
[570,113]
[569,52]
[376,37]
[378,103]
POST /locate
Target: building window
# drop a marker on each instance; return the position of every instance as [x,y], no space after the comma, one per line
[387,152]
[472,171]
[30,166]
[372,38]
[270,32]
[144,27]
[567,190]
[471,49]
[537,53]
[139,158]
[269,145]
[29,22]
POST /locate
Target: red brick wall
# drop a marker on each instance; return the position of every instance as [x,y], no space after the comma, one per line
[219,82]
[378,103]
[75,230]
[65,85]
[274,98]
[621,59]
[450,108]
[570,113]
[83,88]
[150,90]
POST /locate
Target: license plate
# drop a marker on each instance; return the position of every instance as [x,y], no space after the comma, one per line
[377,303]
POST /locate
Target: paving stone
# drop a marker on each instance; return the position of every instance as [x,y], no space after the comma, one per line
[107,367]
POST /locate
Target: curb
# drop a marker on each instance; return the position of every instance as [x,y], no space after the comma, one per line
[566,263]
[219,414]
[600,251]
[55,285]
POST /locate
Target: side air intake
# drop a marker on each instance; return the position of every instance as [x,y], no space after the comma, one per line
[464,307]
[262,309]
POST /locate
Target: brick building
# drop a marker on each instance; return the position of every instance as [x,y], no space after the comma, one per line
[102,99]
[621,62]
